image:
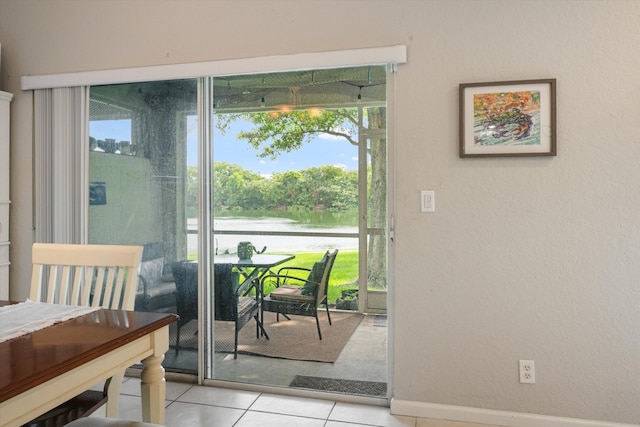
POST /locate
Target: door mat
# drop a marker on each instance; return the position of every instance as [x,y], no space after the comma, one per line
[337,385]
[380,320]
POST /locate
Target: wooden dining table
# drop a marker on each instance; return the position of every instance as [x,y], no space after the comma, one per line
[42,369]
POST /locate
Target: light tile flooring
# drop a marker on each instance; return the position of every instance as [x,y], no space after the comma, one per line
[190,405]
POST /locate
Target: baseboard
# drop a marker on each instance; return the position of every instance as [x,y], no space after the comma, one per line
[491,417]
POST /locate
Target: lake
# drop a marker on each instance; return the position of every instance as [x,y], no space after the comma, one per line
[305,222]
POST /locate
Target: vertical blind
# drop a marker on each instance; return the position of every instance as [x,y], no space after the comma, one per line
[60,165]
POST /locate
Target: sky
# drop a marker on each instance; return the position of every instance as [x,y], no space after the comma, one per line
[322,150]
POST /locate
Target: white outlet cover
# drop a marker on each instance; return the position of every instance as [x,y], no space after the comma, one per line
[527,370]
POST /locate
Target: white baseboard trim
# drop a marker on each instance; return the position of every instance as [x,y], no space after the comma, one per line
[491,417]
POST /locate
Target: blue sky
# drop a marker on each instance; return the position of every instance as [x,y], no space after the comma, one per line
[322,150]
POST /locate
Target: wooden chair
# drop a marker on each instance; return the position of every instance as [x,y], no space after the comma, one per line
[88,275]
[298,295]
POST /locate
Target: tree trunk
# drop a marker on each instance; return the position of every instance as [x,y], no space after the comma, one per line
[377,201]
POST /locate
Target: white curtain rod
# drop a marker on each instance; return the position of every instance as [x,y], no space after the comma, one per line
[279,63]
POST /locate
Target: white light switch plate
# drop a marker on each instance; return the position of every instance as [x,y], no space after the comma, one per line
[428,201]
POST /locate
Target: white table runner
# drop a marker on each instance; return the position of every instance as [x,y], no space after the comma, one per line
[26,317]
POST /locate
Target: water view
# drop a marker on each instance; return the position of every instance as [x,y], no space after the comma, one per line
[277,222]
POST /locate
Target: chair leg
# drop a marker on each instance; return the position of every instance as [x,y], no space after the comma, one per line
[257,326]
[235,341]
[112,388]
[285,316]
[261,326]
[328,315]
[318,325]
[178,338]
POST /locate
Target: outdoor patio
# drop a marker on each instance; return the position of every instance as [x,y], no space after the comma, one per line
[360,369]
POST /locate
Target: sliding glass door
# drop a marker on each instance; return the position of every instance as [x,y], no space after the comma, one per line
[293,163]
[299,168]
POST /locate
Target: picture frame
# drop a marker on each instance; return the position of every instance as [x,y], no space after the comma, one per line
[508,119]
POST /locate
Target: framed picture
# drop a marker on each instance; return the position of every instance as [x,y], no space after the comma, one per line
[508,119]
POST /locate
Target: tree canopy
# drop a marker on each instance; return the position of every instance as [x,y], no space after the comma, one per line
[318,188]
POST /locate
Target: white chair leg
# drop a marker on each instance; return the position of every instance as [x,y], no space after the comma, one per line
[113,391]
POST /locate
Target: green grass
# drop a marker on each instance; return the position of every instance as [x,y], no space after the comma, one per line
[344,274]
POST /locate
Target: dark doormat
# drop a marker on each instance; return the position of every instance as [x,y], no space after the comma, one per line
[336,385]
[380,320]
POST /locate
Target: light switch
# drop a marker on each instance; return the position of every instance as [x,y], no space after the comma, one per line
[428,201]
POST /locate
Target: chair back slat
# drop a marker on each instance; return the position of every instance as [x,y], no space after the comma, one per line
[117,292]
[84,286]
[63,288]
[36,280]
[97,275]
[107,288]
[76,291]
[97,294]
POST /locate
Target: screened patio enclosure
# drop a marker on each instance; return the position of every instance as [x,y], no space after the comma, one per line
[159,178]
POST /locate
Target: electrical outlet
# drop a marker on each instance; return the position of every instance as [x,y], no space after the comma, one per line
[527,372]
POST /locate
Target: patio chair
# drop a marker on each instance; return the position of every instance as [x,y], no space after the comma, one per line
[86,275]
[236,302]
[233,302]
[296,295]
[185,275]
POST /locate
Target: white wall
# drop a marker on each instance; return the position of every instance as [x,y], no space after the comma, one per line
[525,258]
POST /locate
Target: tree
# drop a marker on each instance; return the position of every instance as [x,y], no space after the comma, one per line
[234,186]
[277,133]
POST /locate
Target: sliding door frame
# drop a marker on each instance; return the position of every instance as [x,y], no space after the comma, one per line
[204,71]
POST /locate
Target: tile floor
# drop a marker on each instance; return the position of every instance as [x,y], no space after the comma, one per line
[190,405]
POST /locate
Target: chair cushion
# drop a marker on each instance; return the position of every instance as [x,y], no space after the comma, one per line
[80,406]
[315,276]
[290,293]
[107,422]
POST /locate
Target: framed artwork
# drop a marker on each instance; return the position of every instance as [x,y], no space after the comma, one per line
[508,119]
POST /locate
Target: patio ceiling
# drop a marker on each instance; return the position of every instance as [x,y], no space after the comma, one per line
[324,88]
[328,88]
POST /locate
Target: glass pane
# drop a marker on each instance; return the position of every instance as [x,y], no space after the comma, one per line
[285,179]
[141,166]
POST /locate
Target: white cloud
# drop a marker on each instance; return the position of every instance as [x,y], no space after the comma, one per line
[328,136]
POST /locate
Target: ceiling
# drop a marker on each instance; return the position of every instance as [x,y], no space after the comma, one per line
[324,88]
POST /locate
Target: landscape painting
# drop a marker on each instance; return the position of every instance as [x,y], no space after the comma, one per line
[507,119]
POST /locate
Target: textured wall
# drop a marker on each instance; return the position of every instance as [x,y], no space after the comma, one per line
[527,258]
